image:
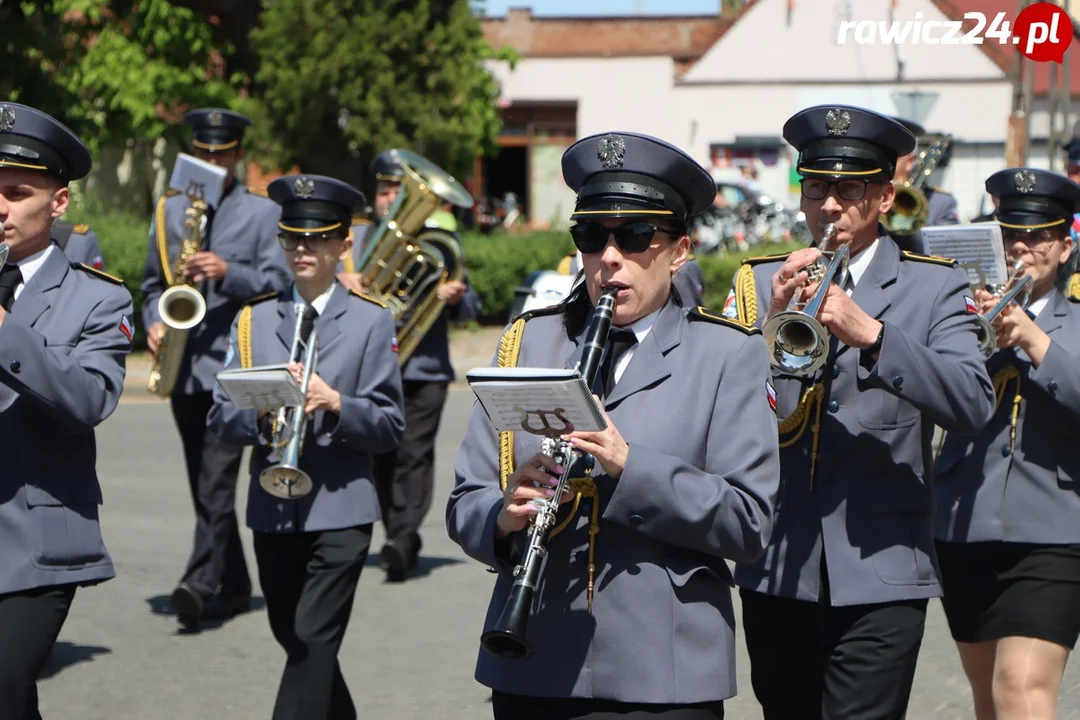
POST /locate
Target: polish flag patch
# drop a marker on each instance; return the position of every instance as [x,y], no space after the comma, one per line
[771,395]
[126,328]
[971,306]
[394,345]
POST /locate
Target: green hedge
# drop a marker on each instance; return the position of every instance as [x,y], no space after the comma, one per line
[497,264]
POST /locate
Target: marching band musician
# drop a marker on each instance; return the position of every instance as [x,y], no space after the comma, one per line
[65,331]
[852,555]
[405,477]
[239,260]
[310,550]
[678,486]
[1008,541]
[689,280]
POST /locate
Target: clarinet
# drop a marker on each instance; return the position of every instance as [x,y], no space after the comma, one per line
[508,639]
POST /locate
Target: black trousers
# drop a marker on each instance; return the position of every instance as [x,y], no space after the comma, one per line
[309,580]
[811,661]
[517,707]
[30,622]
[217,561]
[404,479]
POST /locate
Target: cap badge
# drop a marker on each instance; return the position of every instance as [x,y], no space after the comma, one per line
[837,121]
[1025,181]
[611,150]
[838,167]
[214,118]
[7,118]
[304,187]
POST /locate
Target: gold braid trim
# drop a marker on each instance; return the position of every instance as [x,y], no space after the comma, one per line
[509,349]
[585,487]
[811,403]
[243,336]
[163,240]
[1074,287]
[349,263]
[746,295]
[1001,381]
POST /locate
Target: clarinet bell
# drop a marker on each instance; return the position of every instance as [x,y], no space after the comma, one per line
[507,640]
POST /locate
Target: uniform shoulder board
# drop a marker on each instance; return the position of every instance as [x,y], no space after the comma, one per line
[256,191]
[99,273]
[935,259]
[369,298]
[81,229]
[1073,290]
[360,220]
[765,258]
[539,312]
[261,298]
[701,313]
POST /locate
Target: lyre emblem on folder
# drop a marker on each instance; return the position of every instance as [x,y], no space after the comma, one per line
[546,427]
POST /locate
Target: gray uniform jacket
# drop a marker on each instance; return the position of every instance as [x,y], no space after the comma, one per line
[690,283]
[990,489]
[62,368]
[869,506]
[430,361]
[79,243]
[243,232]
[698,488]
[357,358]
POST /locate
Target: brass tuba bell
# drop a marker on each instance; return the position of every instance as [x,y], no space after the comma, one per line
[911,208]
[405,260]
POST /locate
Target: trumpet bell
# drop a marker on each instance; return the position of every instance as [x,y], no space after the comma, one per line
[798,342]
[181,307]
[287,482]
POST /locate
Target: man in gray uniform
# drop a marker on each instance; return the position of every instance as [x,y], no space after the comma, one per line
[65,330]
[852,557]
[240,259]
[311,549]
[79,243]
[405,478]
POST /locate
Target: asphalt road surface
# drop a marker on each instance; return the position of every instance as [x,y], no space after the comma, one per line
[409,651]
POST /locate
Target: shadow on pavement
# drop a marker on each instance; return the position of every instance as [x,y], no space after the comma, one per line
[66,653]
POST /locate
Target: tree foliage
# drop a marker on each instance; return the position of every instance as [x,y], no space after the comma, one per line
[340,81]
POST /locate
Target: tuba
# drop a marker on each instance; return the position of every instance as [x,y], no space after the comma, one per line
[405,261]
[285,479]
[798,342]
[508,639]
[911,208]
[1017,283]
[181,307]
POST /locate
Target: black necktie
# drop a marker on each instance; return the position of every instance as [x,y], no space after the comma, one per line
[10,277]
[307,322]
[619,341]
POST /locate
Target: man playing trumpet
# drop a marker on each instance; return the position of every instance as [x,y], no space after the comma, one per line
[852,556]
[310,550]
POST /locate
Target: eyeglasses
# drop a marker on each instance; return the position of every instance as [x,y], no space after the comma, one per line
[819,189]
[1030,238]
[632,238]
[315,243]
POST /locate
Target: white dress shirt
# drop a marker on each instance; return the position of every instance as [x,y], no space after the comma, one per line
[857,266]
[318,303]
[30,265]
[640,329]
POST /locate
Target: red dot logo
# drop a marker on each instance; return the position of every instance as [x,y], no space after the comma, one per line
[1043,32]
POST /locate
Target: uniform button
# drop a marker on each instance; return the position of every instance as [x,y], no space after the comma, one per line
[898,382]
[15,365]
[834,406]
[835,371]
[1005,451]
[636,520]
[1052,387]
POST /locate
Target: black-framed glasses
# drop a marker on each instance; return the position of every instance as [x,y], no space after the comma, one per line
[315,243]
[632,238]
[847,189]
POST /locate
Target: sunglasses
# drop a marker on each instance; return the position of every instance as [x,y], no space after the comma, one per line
[632,238]
[818,189]
[315,243]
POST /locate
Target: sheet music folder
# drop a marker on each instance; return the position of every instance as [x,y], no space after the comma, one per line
[268,387]
[540,401]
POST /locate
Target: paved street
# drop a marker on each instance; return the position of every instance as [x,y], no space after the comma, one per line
[409,651]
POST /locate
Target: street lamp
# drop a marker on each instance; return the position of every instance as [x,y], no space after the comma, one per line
[914,105]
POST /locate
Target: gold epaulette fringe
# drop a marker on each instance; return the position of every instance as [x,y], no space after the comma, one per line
[810,404]
[746,295]
[1073,291]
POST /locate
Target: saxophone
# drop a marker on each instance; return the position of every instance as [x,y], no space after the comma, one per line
[181,307]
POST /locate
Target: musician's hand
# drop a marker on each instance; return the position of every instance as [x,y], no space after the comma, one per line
[607,446]
[528,482]
[153,337]
[846,320]
[351,281]
[451,292]
[205,265]
[789,277]
[3,314]
[320,396]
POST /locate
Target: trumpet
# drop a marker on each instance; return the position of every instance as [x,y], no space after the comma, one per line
[4,250]
[1017,283]
[798,342]
[508,639]
[285,479]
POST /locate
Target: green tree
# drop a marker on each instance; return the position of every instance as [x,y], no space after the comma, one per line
[340,81]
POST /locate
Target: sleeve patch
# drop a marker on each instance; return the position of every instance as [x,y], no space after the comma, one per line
[394,344]
[971,306]
[127,328]
[771,394]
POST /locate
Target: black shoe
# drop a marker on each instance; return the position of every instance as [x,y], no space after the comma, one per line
[394,561]
[188,605]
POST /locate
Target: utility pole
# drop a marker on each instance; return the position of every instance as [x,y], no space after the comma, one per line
[1019,123]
